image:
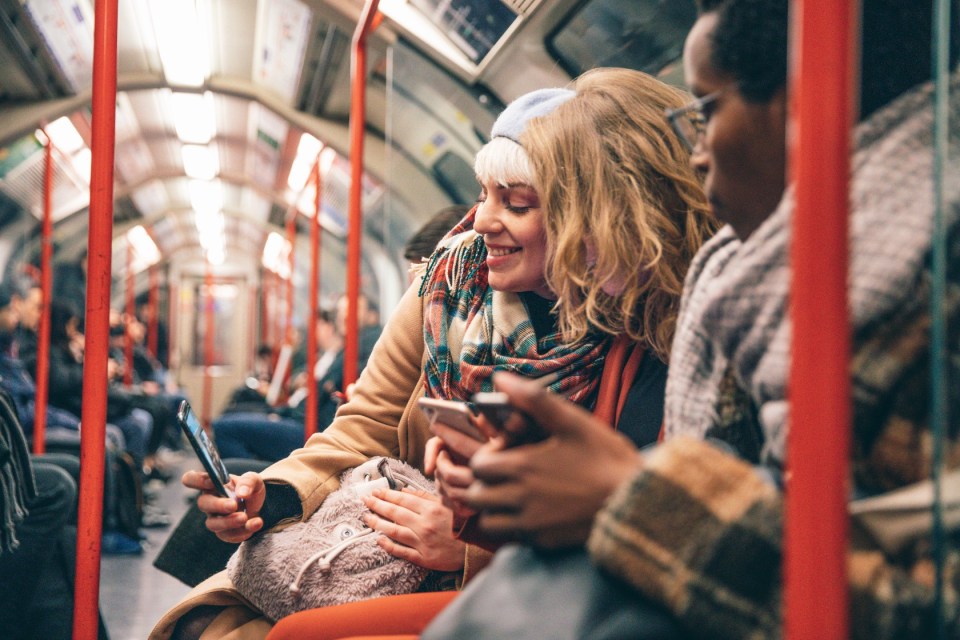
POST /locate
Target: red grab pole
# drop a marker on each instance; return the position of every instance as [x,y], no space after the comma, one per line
[46,285]
[822,100]
[100,233]
[130,311]
[252,327]
[208,349]
[153,304]
[310,420]
[358,102]
[264,311]
[173,313]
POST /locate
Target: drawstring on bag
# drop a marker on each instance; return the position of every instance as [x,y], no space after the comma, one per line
[326,556]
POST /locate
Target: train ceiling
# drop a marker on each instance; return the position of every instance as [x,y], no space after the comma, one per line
[221,105]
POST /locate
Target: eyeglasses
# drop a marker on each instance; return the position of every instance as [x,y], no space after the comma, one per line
[690,121]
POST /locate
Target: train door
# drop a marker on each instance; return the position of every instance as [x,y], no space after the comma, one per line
[210,369]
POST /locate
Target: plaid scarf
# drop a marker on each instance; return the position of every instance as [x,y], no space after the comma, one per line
[470,330]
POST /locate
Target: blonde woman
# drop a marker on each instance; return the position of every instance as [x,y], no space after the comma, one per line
[592,184]
[624,215]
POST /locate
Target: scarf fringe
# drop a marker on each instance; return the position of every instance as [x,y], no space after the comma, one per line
[454,254]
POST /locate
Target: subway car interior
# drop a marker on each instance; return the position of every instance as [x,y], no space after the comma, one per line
[189,187]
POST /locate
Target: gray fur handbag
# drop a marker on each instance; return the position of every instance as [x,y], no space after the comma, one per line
[332,557]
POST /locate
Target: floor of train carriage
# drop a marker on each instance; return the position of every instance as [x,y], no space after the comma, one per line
[133,593]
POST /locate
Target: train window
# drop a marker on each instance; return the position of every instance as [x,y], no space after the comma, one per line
[473,26]
[434,121]
[646,35]
[456,176]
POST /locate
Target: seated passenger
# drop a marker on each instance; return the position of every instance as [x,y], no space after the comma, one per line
[719,574]
[274,435]
[623,216]
[421,244]
[490,288]
[147,390]
[61,426]
[37,545]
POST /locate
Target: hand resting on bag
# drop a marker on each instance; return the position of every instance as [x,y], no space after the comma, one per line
[415,527]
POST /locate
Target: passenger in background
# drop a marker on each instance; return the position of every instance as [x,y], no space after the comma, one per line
[718,572]
[121,518]
[37,544]
[274,435]
[70,283]
[251,396]
[66,382]
[145,313]
[149,390]
[329,345]
[62,426]
[31,307]
[422,243]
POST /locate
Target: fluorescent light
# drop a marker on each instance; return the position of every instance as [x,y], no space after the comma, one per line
[206,197]
[144,248]
[64,135]
[183,47]
[216,256]
[307,151]
[201,162]
[210,227]
[276,255]
[150,198]
[193,117]
[210,231]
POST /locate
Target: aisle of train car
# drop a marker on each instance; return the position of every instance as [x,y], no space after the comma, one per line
[133,593]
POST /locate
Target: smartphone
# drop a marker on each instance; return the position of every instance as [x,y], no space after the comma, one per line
[453,413]
[514,425]
[206,451]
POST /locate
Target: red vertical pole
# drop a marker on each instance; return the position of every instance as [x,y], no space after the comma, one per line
[46,285]
[99,238]
[130,311]
[252,327]
[173,311]
[358,102]
[264,333]
[276,327]
[823,47]
[153,305]
[310,420]
[208,349]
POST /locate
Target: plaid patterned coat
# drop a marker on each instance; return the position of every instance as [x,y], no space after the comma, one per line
[699,530]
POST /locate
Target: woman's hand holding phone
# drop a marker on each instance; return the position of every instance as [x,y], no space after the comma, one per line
[225,518]
[457,438]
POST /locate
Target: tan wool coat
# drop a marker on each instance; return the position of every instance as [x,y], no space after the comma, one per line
[381,419]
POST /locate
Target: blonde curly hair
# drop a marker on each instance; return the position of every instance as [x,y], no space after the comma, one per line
[611,174]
